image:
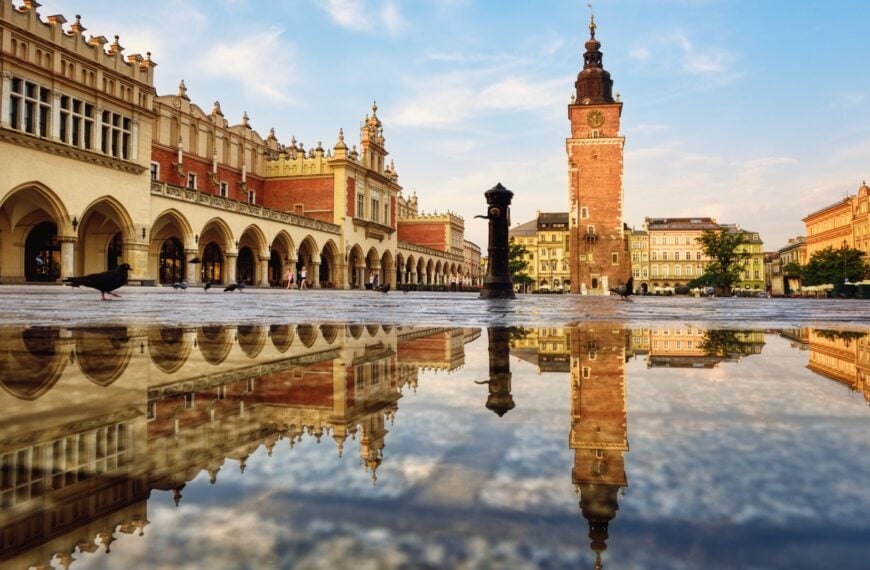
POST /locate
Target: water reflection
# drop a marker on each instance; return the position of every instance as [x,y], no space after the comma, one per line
[153,408]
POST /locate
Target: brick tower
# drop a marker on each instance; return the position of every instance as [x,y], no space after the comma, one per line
[598,252]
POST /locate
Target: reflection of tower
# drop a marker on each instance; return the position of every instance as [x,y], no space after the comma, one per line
[598,426]
[500,399]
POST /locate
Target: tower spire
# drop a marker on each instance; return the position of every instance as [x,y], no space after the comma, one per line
[591,21]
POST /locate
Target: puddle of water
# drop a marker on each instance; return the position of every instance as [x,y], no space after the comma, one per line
[396,446]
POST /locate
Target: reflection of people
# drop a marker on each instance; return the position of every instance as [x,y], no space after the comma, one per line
[303,278]
[291,277]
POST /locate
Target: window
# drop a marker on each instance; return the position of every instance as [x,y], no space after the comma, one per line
[756,274]
[188,400]
[360,205]
[224,190]
[655,256]
[644,256]
[117,131]
[664,256]
[688,240]
[586,372]
[698,255]
[191,181]
[688,255]
[636,272]
[644,273]
[387,214]
[76,122]
[595,134]
[29,107]
[376,207]
[152,410]
[655,270]
[252,197]
[635,257]
[155,171]
[688,270]
[677,271]
[584,212]
[614,258]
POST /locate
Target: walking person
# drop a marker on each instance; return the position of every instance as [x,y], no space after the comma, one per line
[303,278]
[291,277]
[371,281]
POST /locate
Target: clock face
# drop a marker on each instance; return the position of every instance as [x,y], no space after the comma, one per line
[595,118]
[599,468]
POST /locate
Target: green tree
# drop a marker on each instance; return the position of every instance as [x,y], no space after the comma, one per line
[729,343]
[517,263]
[832,266]
[728,259]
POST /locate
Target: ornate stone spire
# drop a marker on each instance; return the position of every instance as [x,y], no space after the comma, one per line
[593,84]
[216,110]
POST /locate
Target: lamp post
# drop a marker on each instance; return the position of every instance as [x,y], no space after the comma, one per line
[845,273]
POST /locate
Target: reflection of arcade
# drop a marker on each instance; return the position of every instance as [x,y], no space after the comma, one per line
[154,408]
[598,425]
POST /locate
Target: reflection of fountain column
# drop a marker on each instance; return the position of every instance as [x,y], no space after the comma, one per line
[500,399]
[598,426]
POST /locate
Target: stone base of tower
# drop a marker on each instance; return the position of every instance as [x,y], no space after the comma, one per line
[598,263]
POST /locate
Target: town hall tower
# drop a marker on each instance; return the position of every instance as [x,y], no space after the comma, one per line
[598,253]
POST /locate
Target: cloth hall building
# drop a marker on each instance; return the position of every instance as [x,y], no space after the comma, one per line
[98,170]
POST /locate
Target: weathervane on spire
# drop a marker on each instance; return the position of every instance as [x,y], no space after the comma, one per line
[591,21]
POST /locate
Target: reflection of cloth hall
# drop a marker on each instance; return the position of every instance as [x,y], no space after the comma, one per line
[203,408]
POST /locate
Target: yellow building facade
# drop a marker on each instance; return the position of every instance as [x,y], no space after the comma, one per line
[546,240]
[845,223]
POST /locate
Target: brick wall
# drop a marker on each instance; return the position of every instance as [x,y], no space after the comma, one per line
[432,235]
[202,168]
[351,197]
[315,194]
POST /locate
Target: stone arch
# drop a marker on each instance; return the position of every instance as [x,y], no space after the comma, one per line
[355,331]
[282,337]
[421,271]
[328,273]
[252,339]
[373,265]
[329,333]
[169,348]
[401,276]
[387,271]
[216,239]
[282,257]
[22,210]
[104,223]
[356,268]
[307,334]
[438,273]
[31,363]
[171,245]
[307,256]
[102,354]
[214,343]
[373,330]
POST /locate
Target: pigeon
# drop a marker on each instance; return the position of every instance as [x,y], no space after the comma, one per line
[182,286]
[206,286]
[105,282]
[625,290]
[384,288]
[238,286]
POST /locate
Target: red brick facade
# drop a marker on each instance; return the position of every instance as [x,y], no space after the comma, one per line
[351,197]
[433,235]
[202,168]
[315,194]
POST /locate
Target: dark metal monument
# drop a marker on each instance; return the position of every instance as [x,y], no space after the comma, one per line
[498,283]
[500,399]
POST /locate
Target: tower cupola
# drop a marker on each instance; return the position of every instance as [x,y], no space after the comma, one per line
[593,84]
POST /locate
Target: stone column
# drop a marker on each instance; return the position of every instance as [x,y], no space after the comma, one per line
[413,279]
[339,277]
[264,272]
[392,278]
[192,273]
[361,277]
[136,254]
[315,274]
[5,90]
[230,275]
[67,256]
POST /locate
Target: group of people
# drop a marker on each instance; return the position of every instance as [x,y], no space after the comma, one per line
[290,277]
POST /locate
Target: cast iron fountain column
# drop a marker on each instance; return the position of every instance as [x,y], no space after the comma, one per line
[498,283]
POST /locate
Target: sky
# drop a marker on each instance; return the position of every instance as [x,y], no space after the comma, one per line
[754,113]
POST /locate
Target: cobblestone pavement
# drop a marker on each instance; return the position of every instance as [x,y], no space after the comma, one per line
[57,305]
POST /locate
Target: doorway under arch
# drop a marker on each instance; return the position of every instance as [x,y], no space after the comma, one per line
[42,253]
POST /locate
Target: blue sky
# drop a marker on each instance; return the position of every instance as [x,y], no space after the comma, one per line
[751,112]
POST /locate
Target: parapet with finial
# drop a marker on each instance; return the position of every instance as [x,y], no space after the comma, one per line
[68,53]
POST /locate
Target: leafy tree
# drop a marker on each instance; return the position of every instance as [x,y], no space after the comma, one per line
[728,343]
[723,247]
[832,266]
[793,268]
[517,264]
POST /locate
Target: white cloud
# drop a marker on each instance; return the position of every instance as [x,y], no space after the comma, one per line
[243,61]
[676,51]
[360,16]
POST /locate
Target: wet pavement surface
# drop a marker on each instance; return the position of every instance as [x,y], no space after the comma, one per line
[25,305]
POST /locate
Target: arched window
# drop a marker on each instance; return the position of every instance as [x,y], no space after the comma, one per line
[114,252]
[245,266]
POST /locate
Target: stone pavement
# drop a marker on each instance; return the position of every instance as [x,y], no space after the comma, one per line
[30,305]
